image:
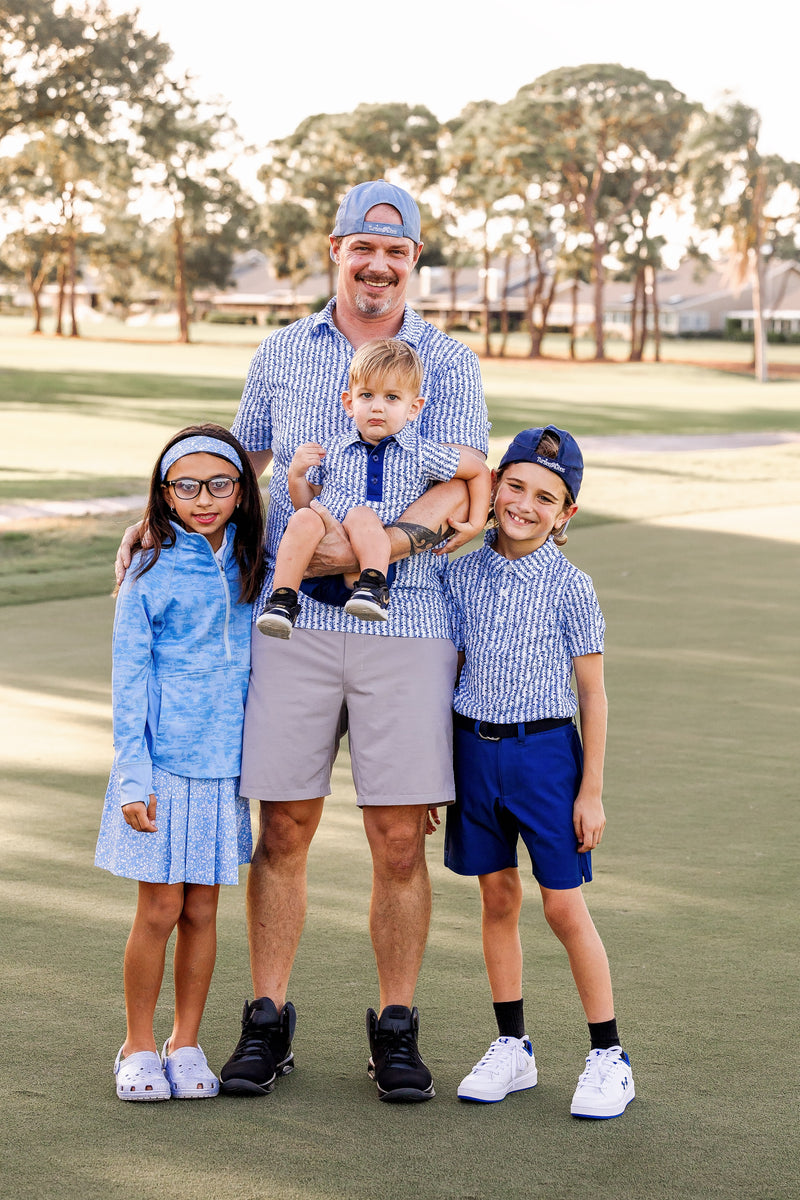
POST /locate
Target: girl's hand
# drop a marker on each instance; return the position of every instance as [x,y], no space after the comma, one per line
[310,454]
[142,819]
[464,532]
[433,822]
[589,821]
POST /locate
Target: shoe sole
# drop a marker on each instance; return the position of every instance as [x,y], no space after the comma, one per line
[365,611]
[603,1116]
[203,1094]
[516,1086]
[274,627]
[143,1097]
[246,1087]
[406,1095]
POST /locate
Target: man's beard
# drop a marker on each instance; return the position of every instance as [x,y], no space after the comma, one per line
[374,308]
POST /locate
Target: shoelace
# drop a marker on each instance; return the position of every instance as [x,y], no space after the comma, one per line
[598,1066]
[398,1046]
[497,1050]
[253,1041]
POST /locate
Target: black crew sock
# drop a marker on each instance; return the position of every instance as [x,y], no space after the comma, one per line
[604,1034]
[510,1018]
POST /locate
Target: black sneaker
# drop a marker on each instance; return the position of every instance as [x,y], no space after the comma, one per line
[370,598]
[263,1052]
[280,614]
[395,1064]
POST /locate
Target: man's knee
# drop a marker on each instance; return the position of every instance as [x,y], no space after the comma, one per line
[287,829]
[397,839]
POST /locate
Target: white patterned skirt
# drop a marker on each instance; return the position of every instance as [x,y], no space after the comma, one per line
[203,832]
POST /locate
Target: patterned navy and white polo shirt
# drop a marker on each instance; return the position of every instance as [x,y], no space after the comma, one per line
[521,622]
[386,477]
[293,394]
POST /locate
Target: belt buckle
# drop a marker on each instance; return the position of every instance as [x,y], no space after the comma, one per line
[486,737]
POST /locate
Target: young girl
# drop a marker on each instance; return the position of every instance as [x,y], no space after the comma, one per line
[173,818]
[526,619]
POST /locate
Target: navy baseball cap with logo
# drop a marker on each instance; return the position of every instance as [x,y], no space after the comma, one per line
[568,463]
[352,214]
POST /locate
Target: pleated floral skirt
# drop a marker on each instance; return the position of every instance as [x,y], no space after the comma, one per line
[203,833]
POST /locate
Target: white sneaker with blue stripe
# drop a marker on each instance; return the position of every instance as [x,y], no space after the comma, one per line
[605,1089]
[507,1066]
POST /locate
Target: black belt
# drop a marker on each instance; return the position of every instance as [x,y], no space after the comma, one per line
[493,733]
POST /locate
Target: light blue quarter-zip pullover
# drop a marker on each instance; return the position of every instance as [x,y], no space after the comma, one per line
[181,666]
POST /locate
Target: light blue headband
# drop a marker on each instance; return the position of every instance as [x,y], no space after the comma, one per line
[198,445]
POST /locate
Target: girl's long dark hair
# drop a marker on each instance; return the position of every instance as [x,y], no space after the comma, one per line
[248,542]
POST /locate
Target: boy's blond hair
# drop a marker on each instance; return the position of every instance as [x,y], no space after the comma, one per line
[384,358]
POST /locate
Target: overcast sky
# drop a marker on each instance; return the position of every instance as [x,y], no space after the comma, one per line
[278,61]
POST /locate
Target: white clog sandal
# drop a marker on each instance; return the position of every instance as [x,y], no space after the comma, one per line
[140,1076]
[188,1075]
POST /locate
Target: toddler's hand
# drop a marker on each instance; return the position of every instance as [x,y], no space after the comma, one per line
[310,454]
[464,532]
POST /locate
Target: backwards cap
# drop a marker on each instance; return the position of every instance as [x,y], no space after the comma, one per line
[568,463]
[352,214]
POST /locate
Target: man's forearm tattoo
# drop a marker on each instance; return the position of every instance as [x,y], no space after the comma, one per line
[420,537]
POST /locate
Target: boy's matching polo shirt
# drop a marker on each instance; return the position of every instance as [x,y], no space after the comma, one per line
[293,394]
[521,622]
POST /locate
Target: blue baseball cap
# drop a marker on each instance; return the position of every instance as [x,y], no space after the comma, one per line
[568,463]
[352,214]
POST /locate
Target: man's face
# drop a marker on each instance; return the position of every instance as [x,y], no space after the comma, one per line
[373,269]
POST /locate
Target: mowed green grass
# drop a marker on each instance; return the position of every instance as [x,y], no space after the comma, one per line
[694,889]
[694,894]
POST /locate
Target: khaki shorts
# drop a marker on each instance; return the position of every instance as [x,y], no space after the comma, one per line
[392,695]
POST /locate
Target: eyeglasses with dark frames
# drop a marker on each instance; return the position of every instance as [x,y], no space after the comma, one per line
[219,487]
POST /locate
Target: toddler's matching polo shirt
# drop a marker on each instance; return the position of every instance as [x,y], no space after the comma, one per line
[520,623]
[386,477]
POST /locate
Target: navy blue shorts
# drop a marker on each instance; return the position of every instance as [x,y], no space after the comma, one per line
[332,589]
[517,787]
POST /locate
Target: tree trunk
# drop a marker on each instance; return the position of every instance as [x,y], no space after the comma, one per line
[634,318]
[573,337]
[72,273]
[35,284]
[759,324]
[504,305]
[598,278]
[180,279]
[487,336]
[62,285]
[645,314]
[656,317]
[453,297]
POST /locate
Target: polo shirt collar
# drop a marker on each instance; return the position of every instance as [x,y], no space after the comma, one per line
[406,438]
[527,567]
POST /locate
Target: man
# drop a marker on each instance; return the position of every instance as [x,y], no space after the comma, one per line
[393,680]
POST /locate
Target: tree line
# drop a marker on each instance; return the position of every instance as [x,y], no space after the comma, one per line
[110,159]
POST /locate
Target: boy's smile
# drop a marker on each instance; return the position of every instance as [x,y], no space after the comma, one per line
[530,501]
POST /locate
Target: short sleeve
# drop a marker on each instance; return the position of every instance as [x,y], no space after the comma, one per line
[584,624]
[252,424]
